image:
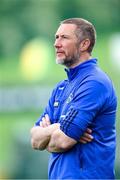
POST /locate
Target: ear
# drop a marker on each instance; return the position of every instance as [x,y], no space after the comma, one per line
[84,45]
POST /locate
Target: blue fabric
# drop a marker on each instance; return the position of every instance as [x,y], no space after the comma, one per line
[86,99]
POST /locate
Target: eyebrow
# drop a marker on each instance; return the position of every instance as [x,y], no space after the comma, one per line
[61,35]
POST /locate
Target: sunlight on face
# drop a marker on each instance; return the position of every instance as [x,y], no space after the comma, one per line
[67,51]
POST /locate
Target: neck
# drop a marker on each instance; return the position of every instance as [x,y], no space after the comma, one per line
[84,57]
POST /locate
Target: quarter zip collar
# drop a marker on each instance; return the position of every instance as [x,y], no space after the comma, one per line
[72,72]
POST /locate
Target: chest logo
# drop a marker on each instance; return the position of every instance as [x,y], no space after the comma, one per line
[56,104]
[70,98]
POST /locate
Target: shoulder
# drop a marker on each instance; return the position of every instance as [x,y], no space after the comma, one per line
[100,85]
[99,77]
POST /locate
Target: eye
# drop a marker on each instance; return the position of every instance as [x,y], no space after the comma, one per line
[56,37]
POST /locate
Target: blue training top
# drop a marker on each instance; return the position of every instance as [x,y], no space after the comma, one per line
[86,99]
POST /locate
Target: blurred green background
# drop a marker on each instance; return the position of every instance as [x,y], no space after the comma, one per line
[28,72]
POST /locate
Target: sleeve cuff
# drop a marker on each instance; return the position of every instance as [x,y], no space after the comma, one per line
[72,131]
[68,126]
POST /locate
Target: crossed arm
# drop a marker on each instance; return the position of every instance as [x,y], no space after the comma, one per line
[49,136]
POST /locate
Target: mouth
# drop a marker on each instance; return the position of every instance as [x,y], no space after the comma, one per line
[59,52]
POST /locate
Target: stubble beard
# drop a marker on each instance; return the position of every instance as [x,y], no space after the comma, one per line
[69,61]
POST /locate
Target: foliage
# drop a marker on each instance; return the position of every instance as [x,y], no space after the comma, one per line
[23,20]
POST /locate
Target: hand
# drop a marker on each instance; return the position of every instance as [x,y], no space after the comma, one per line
[45,121]
[40,137]
[35,137]
[87,137]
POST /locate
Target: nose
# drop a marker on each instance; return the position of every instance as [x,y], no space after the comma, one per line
[57,43]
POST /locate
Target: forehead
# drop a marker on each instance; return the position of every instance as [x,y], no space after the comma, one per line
[68,29]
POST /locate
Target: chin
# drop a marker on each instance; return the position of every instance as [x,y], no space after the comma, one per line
[59,61]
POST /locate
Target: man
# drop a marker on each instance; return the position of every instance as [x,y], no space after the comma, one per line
[85,102]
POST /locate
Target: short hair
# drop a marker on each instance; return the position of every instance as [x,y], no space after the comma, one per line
[84,29]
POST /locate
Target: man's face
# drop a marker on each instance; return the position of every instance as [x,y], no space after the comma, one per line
[66,45]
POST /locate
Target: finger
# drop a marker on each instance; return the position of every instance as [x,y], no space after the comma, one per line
[82,141]
[89,130]
[41,124]
[86,139]
[45,122]
[89,136]
[47,119]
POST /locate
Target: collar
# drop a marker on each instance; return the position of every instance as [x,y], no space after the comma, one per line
[72,72]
